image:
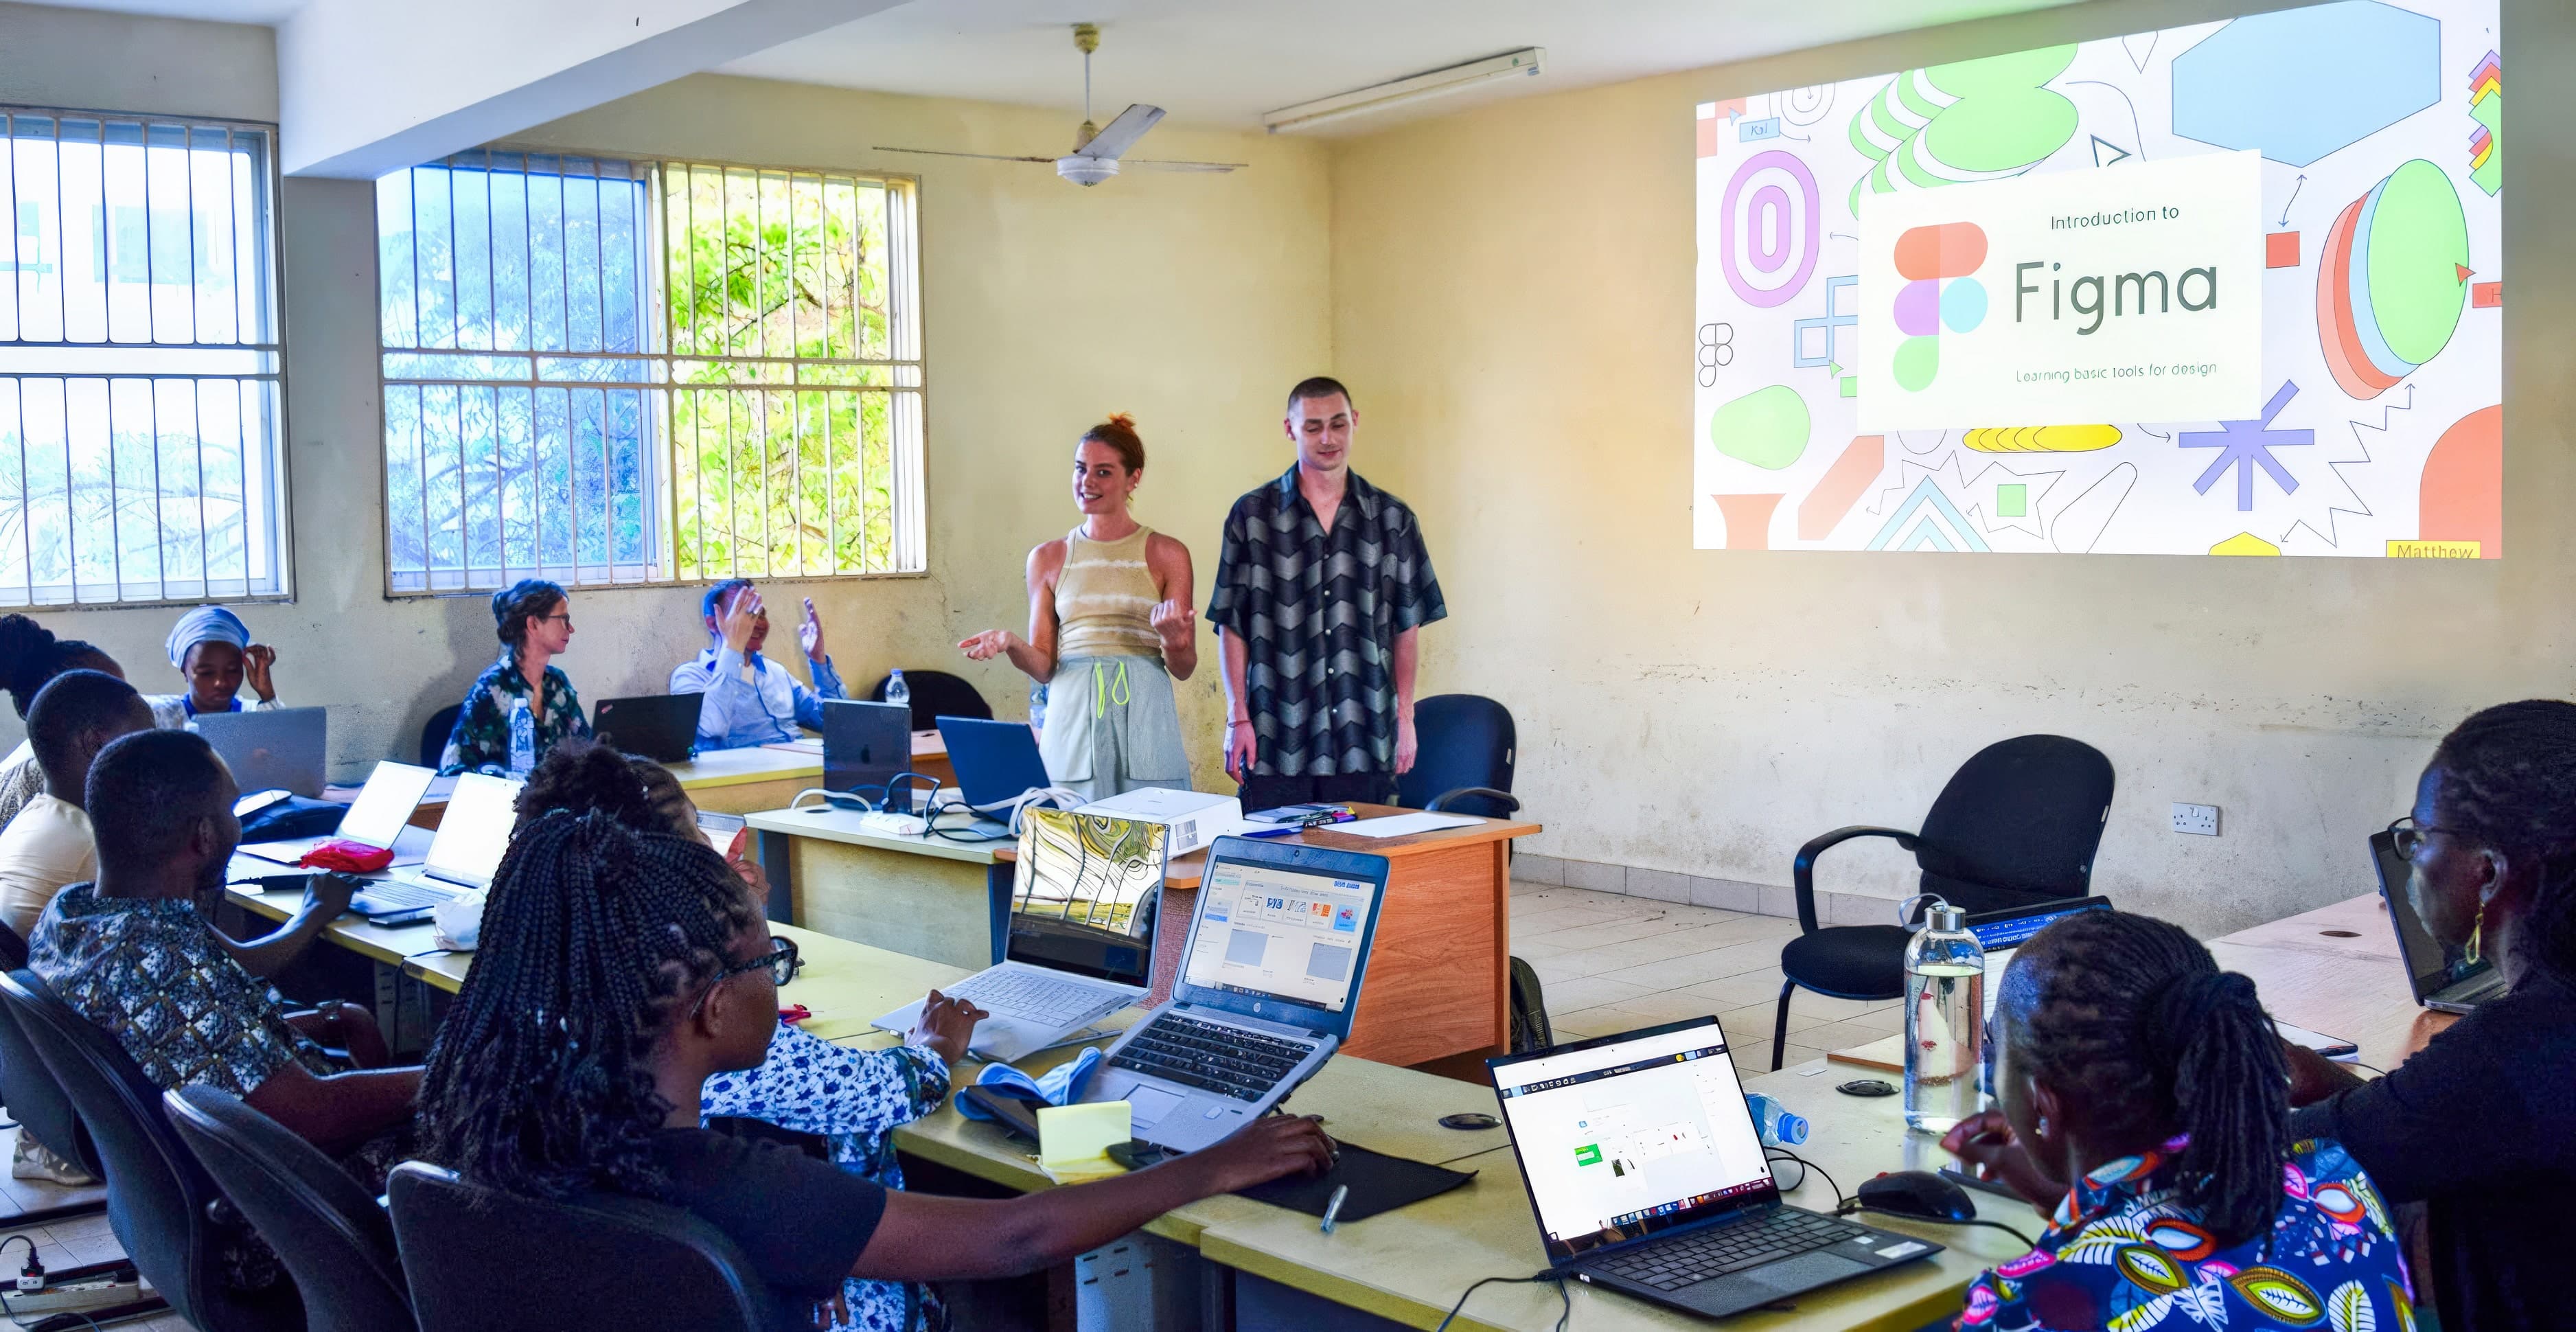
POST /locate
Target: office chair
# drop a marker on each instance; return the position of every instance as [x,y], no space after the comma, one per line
[326,1229]
[1465,746]
[609,1262]
[165,1210]
[37,1101]
[434,733]
[2017,825]
[937,694]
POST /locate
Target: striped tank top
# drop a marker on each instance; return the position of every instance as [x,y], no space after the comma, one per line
[1104,599]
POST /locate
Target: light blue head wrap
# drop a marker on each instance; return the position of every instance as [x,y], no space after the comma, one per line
[205,624]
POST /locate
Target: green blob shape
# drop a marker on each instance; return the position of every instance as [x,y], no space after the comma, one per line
[2419,240]
[1917,361]
[1767,427]
[2012,501]
[2003,119]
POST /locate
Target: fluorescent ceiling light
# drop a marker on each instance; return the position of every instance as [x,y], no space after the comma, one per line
[1527,61]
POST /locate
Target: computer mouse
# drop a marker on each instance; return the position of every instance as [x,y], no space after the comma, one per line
[1917,1193]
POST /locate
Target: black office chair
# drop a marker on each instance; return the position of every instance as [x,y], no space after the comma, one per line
[634,1265]
[326,1229]
[165,1210]
[2017,825]
[1465,746]
[37,1101]
[434,733]
[937,694]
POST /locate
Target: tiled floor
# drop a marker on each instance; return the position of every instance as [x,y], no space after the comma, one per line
[1608,963]
[67,1243]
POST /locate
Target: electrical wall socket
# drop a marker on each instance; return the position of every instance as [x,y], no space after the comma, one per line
[2198,820]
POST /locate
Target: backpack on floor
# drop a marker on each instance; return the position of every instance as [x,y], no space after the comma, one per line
[1529,1011]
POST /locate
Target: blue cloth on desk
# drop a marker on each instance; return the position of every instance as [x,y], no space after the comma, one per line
[1061,1085]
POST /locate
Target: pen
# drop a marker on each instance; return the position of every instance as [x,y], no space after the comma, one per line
[1333,1208]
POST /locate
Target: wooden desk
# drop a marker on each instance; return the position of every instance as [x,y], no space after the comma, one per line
[740,781]
[925,896]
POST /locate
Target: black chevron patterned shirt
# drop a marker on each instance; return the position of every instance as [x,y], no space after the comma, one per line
[1318,614]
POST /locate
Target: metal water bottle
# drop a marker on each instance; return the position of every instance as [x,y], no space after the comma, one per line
[1945,1020]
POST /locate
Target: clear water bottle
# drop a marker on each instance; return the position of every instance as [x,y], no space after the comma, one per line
[1779,1127]
[1037,706]
[1945,1021]
[523,740]
[897,692]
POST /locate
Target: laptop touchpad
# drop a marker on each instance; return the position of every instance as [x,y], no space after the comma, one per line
[1150,1104]
[1805,1272]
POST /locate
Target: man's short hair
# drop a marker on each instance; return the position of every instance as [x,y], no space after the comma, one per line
[145,790]
[715,595]
[1321,386]
[73,704]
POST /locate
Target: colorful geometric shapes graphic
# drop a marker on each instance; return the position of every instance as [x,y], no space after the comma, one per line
[1767,427]
[1927,520]
[1706,124]
[2245,543]
[1963,305]
[2280,249]
[1841,487]
[1952,249]
[2361,66]
[2392,279]
[2246,445]
[2043,439]
[2012,501]
[2486,295]
[1918,309]
[1928,255]
[1747,131]
[1768,228]
[2486,142]
[1748,519]
[1833,318]
[1918,362]
[1973,120]
[2462,496]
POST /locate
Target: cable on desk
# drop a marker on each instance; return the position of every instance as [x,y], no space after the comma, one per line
[1556,1279]
[1776,1153]
[1855,1206]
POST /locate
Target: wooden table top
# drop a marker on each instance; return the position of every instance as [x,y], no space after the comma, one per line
[1186,871]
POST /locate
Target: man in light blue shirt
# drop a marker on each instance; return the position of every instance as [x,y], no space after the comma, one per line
[749,701]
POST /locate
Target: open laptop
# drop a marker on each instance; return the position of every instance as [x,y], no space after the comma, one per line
[2445,977]
[377,818]
[996,761]
[1084,911]
[1267,990]
[661,727]
[472,835]
[278,749]
[865,746]
[1647,1175]
[2001,933]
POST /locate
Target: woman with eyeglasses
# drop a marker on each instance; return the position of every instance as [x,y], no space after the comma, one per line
[2480,1126]
[619,972]
[533,619]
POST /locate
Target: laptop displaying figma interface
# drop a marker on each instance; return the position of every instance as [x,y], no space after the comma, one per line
[1288,934]
[1631,1136]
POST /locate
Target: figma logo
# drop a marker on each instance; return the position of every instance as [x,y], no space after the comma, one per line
[1939,292]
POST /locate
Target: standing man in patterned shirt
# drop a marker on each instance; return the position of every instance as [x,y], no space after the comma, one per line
[1322,590]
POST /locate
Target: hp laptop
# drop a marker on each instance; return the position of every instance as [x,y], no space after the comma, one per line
[2446,978]
[1081,945]
[1267,989]
[377,818]
[996,761]
[1647,1175]
[661,727]
[280,749]
[865,745]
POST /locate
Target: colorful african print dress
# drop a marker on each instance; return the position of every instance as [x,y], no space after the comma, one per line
[2123,1253]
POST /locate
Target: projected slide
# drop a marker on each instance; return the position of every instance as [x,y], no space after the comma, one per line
[2227,289]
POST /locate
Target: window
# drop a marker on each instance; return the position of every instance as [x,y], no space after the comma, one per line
[141,389]
[609,373]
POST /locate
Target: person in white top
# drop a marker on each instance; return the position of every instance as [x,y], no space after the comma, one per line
[748,701]
[212,651]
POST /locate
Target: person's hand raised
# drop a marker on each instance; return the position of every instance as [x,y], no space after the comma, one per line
[740,619]
[258,660]
[809,633]
[989,644]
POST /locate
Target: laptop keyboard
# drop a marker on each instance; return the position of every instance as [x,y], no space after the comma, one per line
[1229,1061]
[385,896]
[1022,995]
[1684,1259]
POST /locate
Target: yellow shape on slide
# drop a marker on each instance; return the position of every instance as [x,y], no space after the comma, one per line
[2043,439]
[2245,543]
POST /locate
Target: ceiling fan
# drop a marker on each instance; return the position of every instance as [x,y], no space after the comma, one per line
[1097,152]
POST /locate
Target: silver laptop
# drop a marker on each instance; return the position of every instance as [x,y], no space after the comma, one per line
[1080,945]
[472,834]
[269,751]
[2445,977]
[1267,991]
[376,818]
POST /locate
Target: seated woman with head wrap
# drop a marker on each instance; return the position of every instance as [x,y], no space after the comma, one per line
[212,651]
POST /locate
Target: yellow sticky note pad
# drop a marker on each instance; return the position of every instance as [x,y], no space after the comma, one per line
[1074,1140]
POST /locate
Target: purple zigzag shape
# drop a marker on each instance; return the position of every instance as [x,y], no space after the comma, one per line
[2246,445]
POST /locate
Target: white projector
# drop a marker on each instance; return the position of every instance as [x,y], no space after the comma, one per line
[1195,817]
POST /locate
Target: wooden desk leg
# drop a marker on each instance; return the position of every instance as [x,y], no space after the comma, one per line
[1502,948]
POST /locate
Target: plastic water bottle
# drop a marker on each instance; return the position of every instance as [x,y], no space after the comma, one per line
[897,692]
[1945,1021]
[1037,707]
[523,740]
[1779,1127]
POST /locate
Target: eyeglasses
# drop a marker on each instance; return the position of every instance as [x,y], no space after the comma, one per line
[2409,835]
[566,617]
[781,963]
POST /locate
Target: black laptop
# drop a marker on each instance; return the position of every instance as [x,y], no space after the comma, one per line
[661,727]
[2446,978]
[1648,1176]
[866,746]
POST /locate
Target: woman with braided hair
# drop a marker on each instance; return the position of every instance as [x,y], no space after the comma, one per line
[2480,1125]
[30,658]
[2130,1067]
[619,970]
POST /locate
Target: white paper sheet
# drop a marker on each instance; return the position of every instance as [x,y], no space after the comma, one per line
[1399,825]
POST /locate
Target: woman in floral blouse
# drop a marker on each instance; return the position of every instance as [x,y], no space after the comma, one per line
[534,621]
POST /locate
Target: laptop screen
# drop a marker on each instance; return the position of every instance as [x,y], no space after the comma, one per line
[1086,894]
[2434,966]
[1279,930]
[475,829]
[995,761]
[1629,1135]
[385,803]
[2001,933]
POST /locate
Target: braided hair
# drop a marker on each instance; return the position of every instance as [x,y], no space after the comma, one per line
[2131,1018]
[30,657]
[585,776]
[540,1081]
[2509,780]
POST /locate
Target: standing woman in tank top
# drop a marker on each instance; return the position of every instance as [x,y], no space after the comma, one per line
[1110,628]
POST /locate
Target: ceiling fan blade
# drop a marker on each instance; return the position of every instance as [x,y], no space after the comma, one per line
[941,152]
[1156,164]
[1122,133]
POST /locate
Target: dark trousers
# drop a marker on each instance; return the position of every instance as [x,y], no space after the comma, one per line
[1355,788]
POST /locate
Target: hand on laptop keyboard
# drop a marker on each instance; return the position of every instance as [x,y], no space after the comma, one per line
[946,1026]
[332,891]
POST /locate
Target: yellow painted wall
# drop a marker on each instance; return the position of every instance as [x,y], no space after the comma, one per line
[1512,302]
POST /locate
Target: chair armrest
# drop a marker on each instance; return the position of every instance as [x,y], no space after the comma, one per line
[1802,871]
[1511,804]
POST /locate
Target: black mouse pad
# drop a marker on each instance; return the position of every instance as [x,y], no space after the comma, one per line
[1378,1183]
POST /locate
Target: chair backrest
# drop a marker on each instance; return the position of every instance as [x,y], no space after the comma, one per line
[434,733]
[1465,740]
[2017,825]
[326,1229]
[608,1262]
[36,1098]
[937,694]
[13,948]
[159,1200]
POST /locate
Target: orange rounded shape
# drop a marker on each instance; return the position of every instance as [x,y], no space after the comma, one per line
[2462,496]
[1952,249]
